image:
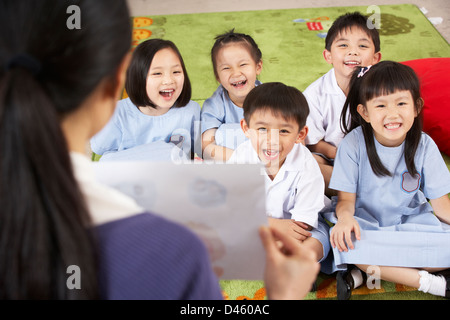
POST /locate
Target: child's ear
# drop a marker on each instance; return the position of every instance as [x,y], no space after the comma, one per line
[376,57]
[302,135]
[245,128]
[419,106]
[259,67]
[363,112]
[327,56]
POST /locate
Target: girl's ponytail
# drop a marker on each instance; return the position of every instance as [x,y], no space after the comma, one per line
[350,118]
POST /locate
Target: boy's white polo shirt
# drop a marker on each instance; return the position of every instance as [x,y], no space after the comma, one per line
[326,101]
[297,191]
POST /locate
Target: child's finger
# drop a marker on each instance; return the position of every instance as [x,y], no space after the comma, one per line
[348,239]
[357,232]
[332,237]
[303,225]
[303,232]
[288,242]
[341,242]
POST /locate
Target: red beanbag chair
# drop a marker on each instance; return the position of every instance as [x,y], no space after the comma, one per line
[434,75]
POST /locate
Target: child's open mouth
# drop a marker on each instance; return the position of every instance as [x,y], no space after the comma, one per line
[167,94]
[239,84]
[352,63]
[392,126]
[271,154]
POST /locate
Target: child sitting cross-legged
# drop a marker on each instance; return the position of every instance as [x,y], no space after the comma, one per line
[274,121]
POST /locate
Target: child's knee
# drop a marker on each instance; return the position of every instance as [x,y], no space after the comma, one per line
[315,245]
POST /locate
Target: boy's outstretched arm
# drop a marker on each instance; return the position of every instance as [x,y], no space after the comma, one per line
[323,147]
[211,151]
[291,228]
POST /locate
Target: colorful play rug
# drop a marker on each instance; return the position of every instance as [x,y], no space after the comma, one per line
[292,42]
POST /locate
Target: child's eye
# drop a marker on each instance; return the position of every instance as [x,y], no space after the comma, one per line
[262,130]
[156,73]
[343,45]
[284,131]
[363,46]
[380,106]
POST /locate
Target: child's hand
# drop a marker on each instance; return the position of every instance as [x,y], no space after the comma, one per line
[290,269]
[295,229]
[342,233]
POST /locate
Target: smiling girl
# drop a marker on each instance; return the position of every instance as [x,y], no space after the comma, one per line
[158,118]
[387,173]
[237,62]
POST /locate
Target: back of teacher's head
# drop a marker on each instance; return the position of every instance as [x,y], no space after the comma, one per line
[53,54]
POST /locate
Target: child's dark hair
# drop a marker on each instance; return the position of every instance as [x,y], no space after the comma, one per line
[384,78]
[346,22]
[282,100]
[234,37]
[137,73]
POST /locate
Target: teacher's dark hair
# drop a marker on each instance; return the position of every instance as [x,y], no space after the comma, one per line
[46,71]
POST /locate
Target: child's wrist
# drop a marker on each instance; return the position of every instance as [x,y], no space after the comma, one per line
[344,215]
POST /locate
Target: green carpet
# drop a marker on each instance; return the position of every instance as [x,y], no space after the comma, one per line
[292,53]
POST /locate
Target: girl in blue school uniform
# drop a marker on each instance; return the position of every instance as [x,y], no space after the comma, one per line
[237,62]
[157,121]
[392,213]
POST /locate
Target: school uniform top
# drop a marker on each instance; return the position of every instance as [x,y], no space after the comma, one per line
[142,255]
[397,222]
[129,128]
[218,111]
[297,191]
[326,101]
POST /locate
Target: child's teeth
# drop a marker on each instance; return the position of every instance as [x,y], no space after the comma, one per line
[271,152]
[392,126]
[167,93]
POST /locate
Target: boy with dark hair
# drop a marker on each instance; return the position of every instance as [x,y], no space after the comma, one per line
[350,43]
[274,123]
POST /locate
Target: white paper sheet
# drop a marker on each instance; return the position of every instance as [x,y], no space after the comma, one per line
[224,204]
